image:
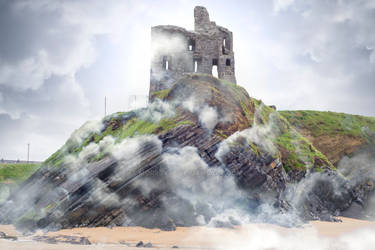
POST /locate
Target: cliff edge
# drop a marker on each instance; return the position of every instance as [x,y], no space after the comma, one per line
[203,152]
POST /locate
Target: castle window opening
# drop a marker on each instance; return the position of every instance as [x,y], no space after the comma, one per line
[191,45]
[202,50]
[226,45]
[214,71]
[165,63]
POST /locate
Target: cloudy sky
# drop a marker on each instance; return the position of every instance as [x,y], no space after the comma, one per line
[58,59]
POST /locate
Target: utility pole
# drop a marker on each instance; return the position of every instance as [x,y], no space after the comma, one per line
[131,100]
[105,106]
[28,152]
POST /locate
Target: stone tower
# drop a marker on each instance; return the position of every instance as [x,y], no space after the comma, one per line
[177,51]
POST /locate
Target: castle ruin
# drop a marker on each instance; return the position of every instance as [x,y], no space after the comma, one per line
[177,51]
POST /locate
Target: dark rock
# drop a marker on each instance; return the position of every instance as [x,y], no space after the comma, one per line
[169,226]
[84,241]
[175,247]
[124,243]
[46,239]
[234,222]
[259,175]
[222,224]
[7,237]
[140,244]
[148,245]
[254,171]
[63,239]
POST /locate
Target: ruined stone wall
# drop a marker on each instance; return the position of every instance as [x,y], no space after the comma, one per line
[169,46]
[177,51]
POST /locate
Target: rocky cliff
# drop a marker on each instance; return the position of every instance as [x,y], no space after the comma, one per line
[348,141]
[203,152]
[335,134]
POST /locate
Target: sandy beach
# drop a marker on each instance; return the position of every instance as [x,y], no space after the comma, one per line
[258,236]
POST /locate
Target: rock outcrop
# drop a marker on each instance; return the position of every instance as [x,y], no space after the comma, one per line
[203,152]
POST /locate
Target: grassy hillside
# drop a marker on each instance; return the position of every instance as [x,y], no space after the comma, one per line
[329,123]
[13,174]
[296,152]
[334,134]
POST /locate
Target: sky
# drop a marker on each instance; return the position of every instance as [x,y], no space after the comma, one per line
[60,58]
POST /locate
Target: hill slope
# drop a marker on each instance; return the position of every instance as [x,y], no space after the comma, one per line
[334,134]
[203,152]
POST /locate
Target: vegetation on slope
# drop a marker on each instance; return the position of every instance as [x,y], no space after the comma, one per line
[296,152]
[120,125]
[329,123]
[16,173]
[334,134]
[13,174]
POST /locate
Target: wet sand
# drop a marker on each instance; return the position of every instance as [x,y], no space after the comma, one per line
[189,237]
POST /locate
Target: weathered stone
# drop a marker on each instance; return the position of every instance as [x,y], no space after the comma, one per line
[177,51]
[148,245]
[76,240]
[7,237]
[140,244]
[260,175]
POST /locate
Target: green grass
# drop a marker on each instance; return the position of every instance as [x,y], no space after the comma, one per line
[131,128]
[16,172]
[161,94]
[264,110]
[302,154]
[240,94]
[11,175]
[329,123]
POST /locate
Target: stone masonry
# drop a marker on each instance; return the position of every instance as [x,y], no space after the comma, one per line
[177,51]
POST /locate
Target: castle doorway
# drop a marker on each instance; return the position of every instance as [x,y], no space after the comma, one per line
[214,71]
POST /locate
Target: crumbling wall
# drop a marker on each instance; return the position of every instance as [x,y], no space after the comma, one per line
[177,51]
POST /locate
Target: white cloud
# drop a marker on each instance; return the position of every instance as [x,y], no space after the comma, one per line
[207,115]
[66,55]
[280,5]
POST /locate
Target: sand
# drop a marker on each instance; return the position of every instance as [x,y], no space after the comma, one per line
[192,237]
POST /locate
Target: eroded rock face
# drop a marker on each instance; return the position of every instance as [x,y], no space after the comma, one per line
[198,172]
[73,203]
